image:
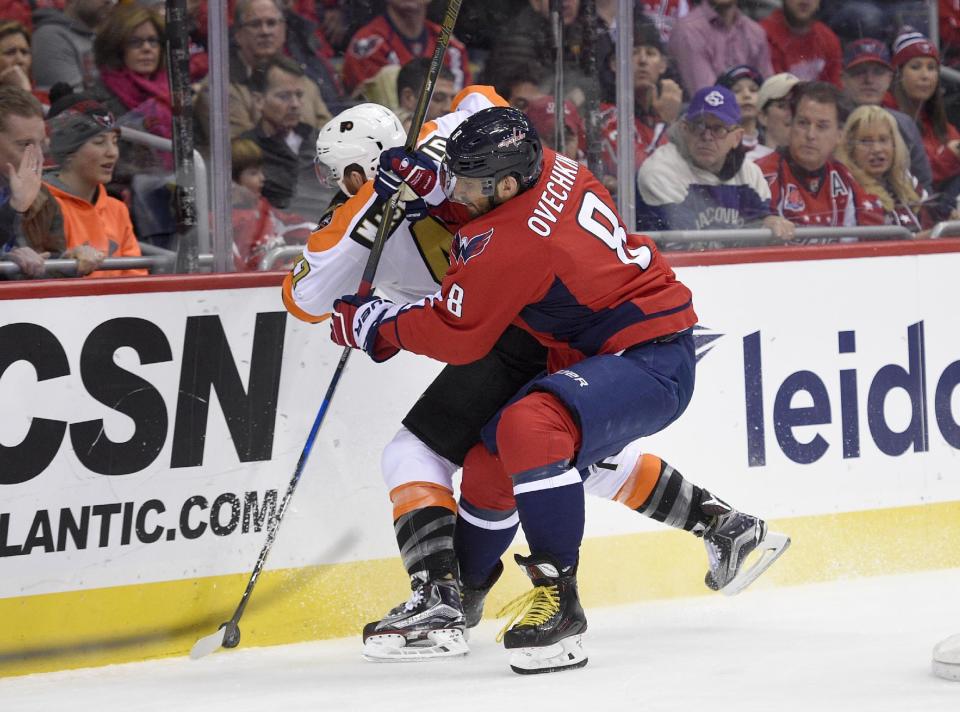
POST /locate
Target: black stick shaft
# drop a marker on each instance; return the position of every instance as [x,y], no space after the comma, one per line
[178,70]
[416,123]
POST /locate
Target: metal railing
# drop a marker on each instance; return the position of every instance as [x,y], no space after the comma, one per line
[765,235]
[156,263]
[277,254]
[158,260]
[950,228]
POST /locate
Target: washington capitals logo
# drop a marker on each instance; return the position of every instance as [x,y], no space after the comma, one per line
[466,248]
[513,139]
[793,199]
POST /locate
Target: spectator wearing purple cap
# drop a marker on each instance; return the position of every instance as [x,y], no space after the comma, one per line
[701,179]
[744,82]
[917,92]
[802,45]
[714,36]
[867,74]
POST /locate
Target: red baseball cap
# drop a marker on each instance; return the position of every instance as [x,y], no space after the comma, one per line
[542,114]
[866,50]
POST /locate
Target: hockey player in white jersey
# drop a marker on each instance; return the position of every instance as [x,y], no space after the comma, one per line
[419,463]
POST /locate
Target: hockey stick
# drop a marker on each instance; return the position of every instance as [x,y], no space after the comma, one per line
[228,634]
[178,70]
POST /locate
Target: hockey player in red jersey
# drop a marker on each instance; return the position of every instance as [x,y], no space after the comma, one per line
[547,252]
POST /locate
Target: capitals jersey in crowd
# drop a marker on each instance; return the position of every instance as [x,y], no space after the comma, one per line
[814,55]
[415,256]
[665,14]
[830,197]
[649,134]
[379,43]
[556,261]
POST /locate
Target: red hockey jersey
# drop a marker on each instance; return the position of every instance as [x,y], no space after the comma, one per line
[378,43]
[829,198]
[813,56]
[649,135]
[556,261]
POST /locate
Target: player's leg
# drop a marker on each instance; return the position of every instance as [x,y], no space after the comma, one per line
[448,418]
[487,522]
[650,486]
[430,623]
[576,416]
[418,466]
[537,439]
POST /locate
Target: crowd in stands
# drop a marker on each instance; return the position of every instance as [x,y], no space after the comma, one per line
[802,113]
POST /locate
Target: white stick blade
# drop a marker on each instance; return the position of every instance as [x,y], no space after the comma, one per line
[207,644]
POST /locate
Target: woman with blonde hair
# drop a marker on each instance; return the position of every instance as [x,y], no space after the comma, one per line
[873,150]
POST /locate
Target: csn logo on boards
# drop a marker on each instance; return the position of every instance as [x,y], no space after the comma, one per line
[206,365]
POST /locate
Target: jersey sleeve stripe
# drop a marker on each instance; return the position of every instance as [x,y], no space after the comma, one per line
[290,303]
[343,222]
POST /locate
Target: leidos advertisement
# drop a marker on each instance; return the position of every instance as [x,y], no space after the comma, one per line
[147,437]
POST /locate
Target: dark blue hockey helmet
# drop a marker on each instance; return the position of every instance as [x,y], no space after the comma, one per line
[490,145]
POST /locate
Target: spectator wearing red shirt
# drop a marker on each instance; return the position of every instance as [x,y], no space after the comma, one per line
[657,101]
[917,92]
[808,186]
[400,34]
[950,31]
[665,14]
[801,44]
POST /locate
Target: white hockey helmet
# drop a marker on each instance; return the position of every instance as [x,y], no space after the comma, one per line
[358,135]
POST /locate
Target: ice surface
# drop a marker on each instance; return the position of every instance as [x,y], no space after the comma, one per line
[862,644]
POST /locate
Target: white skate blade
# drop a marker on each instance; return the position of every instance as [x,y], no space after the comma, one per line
[393,648]
[946,658]
[568,654]
[769,550]
[208,644]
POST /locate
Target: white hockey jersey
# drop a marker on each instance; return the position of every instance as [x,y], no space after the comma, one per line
[415,256]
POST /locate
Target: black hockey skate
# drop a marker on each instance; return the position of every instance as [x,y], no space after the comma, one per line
[473,598]
[547,636]
[730,538]
[428,625]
